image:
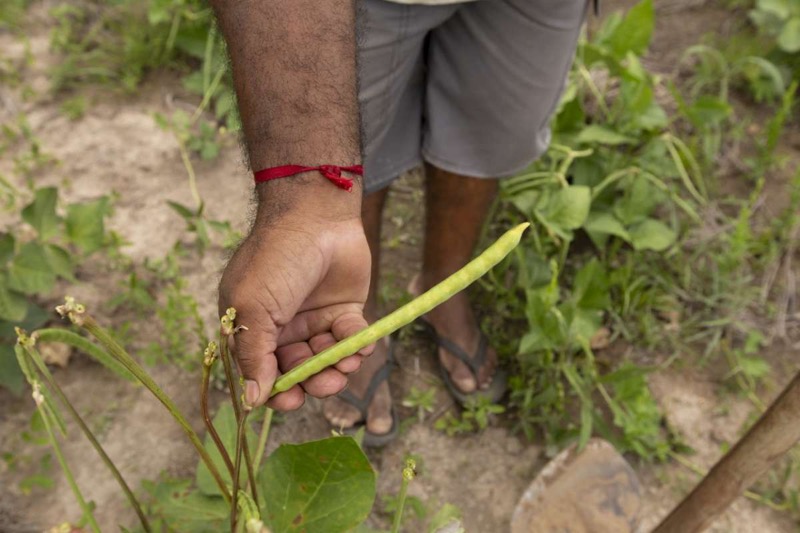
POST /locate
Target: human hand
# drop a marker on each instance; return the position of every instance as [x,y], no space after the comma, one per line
[298,282]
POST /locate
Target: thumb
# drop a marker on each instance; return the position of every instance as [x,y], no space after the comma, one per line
[254,350]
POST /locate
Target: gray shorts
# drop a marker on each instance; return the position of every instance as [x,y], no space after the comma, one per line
[467,87]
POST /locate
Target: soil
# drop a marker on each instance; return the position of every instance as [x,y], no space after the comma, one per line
[117,146]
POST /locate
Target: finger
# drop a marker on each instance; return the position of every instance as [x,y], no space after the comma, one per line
[350,324]
[306,324]
[289,400]
[325,383]
[255,357]
[348,365]
[324,341]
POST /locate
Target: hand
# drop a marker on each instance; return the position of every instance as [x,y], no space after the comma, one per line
[298,284]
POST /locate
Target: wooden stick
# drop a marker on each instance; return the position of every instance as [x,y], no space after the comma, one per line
[768,440]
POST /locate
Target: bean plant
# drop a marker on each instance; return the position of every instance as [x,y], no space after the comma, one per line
[326,485]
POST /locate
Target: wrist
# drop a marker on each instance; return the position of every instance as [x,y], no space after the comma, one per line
[307,197]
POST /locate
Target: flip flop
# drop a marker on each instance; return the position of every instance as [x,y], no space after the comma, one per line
[373,440]
[499,384]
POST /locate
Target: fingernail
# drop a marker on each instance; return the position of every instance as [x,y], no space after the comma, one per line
[251,391]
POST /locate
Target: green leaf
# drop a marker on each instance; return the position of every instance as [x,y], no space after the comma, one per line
[35,318]
[754,367]
[41,213]
[591,286]
[778,8]
[634,32]
[601,135]
[182,210]
[60,261]
[639,201]
[85,224]
[13,306]
[789,37]
[186,510]
[225,422]
[652,235]
[6,248]
[11,376]
[30,271]
[326,485]
[568,208]
[708,110]
[606,224]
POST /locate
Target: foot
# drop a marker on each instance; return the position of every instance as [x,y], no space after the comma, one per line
[342,415]
[455,320]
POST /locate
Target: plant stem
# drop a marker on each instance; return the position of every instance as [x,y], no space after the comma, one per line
[118,352]
[401,503]
[225,354]
[87,511]
[207,420]
[240,438]
[51,383]
[405,314]
[262,439]
[83,344]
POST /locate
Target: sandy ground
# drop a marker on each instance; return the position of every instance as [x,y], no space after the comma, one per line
[117,146]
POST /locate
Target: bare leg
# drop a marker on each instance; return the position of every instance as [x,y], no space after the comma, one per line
[456,207]
[379,415]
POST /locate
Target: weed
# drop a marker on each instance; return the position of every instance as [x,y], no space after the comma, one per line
[475,417]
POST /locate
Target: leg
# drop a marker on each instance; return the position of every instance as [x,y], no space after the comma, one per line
[379,416]
[456,207]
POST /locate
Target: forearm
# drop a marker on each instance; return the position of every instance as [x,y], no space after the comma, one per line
[294,71]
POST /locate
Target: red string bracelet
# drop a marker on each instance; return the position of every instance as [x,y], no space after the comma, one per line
[331,172]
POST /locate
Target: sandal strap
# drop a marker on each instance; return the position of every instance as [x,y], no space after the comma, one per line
[362,404]
[474,363]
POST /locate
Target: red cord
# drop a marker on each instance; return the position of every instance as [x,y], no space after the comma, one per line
[331,172]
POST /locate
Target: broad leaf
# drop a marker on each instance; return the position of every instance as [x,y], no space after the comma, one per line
[85,224]
[326,485]
[602,135]
[225,423]
[639,201]
[11,376]
[568,208]
[6,248]
[789,38]
[34,319]
[590,290]
[652,235]
[186,510]
[30,271]
[60,261]
[606,224]
[634,32]
[41,213]
[13,306]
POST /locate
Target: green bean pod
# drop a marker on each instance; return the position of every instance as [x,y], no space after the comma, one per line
[405,314]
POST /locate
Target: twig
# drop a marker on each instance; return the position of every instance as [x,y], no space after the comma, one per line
[77,314]
[34,356]
[87,511]
[208,362]
[262,439]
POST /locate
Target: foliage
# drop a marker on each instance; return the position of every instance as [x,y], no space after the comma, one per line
[46,247]
[779,19]
[475,417]
[616,174]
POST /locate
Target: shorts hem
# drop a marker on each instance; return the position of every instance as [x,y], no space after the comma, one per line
[482,174]
[375,184]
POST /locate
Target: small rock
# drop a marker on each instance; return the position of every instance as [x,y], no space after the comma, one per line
[600,339]
[55,353]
